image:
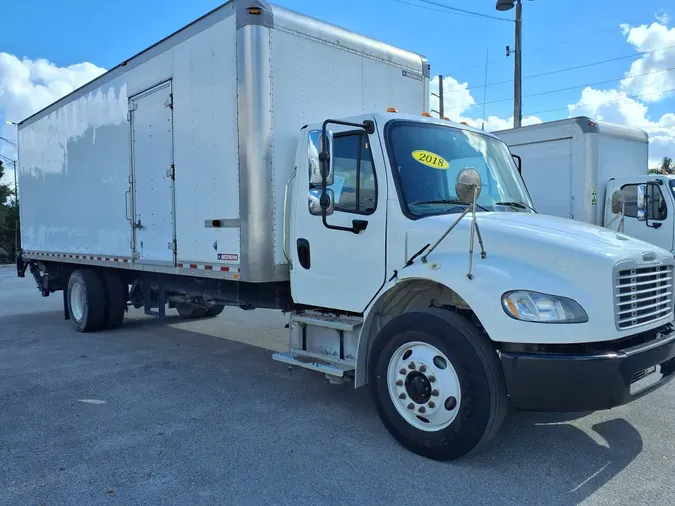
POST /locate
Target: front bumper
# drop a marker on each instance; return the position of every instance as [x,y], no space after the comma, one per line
[583,380]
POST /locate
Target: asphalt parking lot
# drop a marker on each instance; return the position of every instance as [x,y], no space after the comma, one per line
[174,412]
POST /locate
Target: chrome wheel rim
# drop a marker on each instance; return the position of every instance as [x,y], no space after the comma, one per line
[424,386]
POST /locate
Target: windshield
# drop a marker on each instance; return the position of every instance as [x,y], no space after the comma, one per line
[426,159]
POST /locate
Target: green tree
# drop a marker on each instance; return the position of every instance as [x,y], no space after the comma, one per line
[9,219]
[667,166]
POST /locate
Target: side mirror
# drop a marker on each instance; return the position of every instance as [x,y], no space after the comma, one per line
[518,162]
[468,184]
[315,149]
[315,202]
[641,202]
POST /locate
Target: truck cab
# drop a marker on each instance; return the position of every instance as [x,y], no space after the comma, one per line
[445,286]
[649,208]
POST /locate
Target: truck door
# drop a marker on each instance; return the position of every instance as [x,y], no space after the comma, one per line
[335,268]
[658,228]
[152,210]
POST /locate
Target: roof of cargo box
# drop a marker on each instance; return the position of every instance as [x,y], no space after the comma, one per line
[254,12]
[587,125]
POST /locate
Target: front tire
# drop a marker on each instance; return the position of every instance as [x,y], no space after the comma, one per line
[86,300]
[437,384]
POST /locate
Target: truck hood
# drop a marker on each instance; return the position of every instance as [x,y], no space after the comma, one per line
[529,234]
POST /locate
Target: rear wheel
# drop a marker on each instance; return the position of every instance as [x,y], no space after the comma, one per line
[116,295]
[437,384]
[191,311]
[215,310]
[86,300]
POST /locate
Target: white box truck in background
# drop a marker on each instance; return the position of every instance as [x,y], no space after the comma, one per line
[248,160]
[572,167]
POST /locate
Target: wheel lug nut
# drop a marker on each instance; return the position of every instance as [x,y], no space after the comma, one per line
[411,406]
[399,383]
[402,396]
[432,404]
[434,392]
[423,368]
[432,379]
[411,365]
[422,409]
[403,371]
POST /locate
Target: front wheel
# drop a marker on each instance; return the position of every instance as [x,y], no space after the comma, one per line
[437,384]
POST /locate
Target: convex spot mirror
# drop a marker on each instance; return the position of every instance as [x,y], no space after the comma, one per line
[618,200]
[315,147]
[468,181]
[315,202]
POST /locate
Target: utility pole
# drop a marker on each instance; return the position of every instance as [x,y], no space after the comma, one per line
[517,76]
[441,107]
[505,5]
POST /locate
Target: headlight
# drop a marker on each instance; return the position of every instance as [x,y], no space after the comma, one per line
[542,308]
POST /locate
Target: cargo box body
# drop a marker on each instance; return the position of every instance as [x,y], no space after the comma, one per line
[566,164]
[176,160]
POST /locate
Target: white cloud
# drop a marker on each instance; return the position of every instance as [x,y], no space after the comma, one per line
[617,107]
[659,41]
[456,97]
[26,86]
[458,101]
[662,17]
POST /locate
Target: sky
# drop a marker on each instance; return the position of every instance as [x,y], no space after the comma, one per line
[612,60]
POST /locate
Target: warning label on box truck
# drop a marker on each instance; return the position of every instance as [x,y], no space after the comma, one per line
[228,257]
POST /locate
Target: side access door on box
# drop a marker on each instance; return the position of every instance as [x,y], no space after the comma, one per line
[152,176]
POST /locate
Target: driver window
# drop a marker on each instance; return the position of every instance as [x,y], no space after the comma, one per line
[355,185]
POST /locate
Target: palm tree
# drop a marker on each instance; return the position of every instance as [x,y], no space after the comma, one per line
[667,166]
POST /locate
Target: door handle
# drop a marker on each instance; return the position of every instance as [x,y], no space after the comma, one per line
[359,225]
[138,225]
[126,204]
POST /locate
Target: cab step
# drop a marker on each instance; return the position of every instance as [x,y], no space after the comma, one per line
[344,323]
[316,363]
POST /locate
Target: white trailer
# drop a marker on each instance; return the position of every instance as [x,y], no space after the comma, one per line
[248,160]
[573,167]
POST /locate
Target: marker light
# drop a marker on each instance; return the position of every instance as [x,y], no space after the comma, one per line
[392,109]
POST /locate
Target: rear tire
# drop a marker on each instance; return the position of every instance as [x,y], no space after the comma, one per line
[86,300]
[191,311]
[215,310]
[437,384]
[116,295]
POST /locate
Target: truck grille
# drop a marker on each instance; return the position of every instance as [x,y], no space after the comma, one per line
[643,295]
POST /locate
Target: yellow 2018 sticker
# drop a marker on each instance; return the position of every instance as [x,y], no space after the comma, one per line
[430,159]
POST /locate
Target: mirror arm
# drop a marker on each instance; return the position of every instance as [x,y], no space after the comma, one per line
[324,159]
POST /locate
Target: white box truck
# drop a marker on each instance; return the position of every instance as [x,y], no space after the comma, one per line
[573,167]
[263,159]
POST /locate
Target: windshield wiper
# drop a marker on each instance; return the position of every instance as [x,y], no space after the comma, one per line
[519,205]
[448,201]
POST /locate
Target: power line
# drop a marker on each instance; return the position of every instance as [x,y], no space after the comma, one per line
[455,9]
[605,102]
[576,67]
[564,89]
[8,141]
[7,159]
[448,10]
